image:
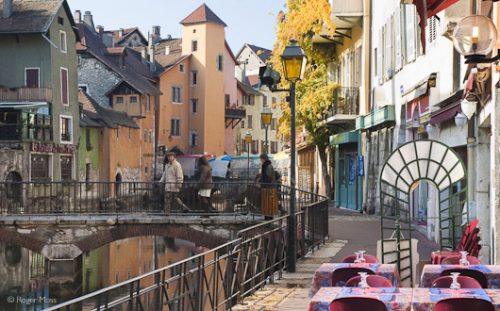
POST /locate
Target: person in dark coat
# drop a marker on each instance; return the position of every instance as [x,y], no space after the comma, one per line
[266,176]
[206,183]
[268,190]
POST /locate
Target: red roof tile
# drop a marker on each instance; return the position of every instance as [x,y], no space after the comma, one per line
[203,14]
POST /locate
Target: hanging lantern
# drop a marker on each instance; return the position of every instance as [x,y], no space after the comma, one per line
[475,35]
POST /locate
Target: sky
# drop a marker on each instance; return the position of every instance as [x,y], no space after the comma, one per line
[248,21]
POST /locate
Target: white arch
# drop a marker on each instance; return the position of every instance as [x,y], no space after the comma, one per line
[423,159]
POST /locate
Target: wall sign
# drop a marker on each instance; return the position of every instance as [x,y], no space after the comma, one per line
[52,148]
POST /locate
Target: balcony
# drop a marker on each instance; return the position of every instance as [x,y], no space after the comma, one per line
[347,7]
[345,106]
[16,126]
[25,94]
[233,115]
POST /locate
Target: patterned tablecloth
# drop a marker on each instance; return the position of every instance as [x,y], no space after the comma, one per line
[432,272]
[323,276]
[402,299]
[396,299]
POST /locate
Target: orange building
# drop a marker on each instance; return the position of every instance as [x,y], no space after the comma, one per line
[192,107]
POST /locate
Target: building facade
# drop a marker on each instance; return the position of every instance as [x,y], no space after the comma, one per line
[39,109]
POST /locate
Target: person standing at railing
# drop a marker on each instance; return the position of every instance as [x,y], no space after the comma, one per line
[206,184]
[268,191]
[173,178]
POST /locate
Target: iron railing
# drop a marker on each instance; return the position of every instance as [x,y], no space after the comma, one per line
[83,198]
[345,101]
[219,278]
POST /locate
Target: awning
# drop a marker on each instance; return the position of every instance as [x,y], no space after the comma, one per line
[446,113]
[23,105]
[421,88]
[426,9]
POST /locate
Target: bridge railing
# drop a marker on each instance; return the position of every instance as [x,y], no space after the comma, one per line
[219,278]
[71,197]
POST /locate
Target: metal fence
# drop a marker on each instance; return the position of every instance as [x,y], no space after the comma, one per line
[219,278]
[77,198]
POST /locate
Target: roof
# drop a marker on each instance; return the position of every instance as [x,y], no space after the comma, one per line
[263,53]
[247,88]
[202,14]
[32,16]
[117,39]
[100,116]
[253,80]
[134,72]
[178,61]
[175,51]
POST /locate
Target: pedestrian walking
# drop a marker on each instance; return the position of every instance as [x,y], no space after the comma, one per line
[206,184]
[173,178]
[268,190]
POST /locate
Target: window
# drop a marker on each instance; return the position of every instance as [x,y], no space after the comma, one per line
[148,103]
[194,78]
[274,147]
[66,168]
[32,77]
[255,146]
[40,165]
[84,87]
[88,138]
[273,124]
[60,20]
[64,87]
[410,30]
[175,125]
[62,40]
[133,99]
[66,129]
[87,172]
[432,25]
[252,100]
[193,139]
[119,100]
[220,62]
[194,105]
[176,94]
[264,99]
[40,126]
[273,100]
[227,99]
[181,67]
[194,46]
[249,121]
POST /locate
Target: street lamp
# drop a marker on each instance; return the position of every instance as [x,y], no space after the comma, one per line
[294,64]
[475,37]
[248,141]
[266,117]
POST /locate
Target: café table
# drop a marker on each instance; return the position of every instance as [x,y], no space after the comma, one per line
[432,272]
[323,275]
[395,299]
[425,299]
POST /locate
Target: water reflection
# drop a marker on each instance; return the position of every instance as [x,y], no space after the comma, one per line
[28,281]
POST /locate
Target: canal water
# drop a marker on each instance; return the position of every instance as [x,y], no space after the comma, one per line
[28,281]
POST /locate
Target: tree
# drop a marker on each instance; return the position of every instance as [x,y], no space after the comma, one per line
[304,20]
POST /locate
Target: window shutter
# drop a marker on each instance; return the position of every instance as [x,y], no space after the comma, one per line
[411,25]
[64,86]
[397,39]
[380,55]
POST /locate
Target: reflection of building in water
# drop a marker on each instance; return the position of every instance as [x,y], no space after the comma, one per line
[14,272]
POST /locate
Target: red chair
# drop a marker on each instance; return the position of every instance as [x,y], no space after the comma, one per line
[463,304]
[342,275]
[372,280]
[477,275]
[368,259]
[464,281]
[357,304]
[469,242]
[455,260]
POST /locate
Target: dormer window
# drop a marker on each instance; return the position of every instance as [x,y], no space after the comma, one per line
[167,50]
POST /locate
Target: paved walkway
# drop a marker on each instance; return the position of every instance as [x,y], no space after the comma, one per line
[349,232]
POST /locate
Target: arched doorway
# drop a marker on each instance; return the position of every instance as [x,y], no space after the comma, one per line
[415,161]
[13,186]
[118,183]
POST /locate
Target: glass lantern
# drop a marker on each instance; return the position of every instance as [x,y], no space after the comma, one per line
[475,35]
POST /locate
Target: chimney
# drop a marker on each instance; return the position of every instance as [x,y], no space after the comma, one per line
[88,19]
[120,32]
[151,52]
[77,16]
[99,29]
[156,31]
[7,8]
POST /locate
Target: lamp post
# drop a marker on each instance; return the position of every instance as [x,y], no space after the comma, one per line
[248,141]
[266,116]
[294,63]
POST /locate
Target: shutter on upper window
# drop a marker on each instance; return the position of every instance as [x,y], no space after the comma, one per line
[397,39]
[380,56]
[410,23]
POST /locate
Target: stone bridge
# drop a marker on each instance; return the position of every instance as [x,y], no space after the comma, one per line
[67,237]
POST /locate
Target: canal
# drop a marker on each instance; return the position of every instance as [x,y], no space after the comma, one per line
[28,281]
